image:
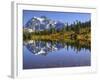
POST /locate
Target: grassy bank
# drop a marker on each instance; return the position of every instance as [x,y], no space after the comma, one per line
[82,35]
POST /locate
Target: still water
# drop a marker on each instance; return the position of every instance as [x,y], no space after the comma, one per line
[51,54]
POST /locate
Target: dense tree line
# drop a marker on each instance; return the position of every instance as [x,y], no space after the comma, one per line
[76,26]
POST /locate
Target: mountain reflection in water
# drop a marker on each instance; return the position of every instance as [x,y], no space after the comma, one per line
[45,47]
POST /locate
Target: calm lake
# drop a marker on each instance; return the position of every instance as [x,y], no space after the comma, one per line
[52,54]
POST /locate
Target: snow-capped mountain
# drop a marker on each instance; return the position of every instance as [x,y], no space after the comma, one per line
[42,23]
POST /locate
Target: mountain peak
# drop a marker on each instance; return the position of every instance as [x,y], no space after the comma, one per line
[42,23]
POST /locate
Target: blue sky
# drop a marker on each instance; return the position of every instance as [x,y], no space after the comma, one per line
[69,17]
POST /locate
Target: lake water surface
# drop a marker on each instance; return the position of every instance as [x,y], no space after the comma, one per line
[51,54]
